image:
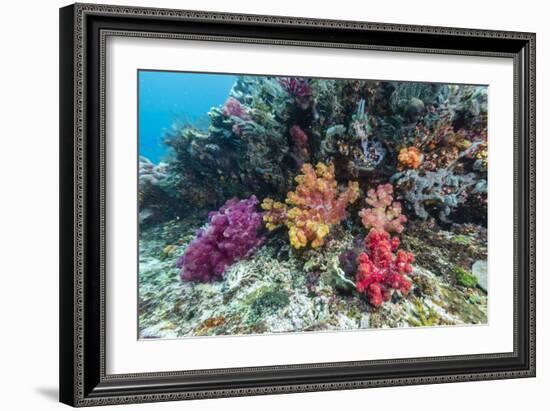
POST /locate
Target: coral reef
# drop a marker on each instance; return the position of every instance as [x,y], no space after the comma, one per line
[413,253]
[170,308]
[316,205]
[231,235]
[243,151]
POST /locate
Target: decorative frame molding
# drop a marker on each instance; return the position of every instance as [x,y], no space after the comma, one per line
[84,29]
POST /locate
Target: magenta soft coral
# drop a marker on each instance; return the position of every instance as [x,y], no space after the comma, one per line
[298,88]
[382,267]
[231,235]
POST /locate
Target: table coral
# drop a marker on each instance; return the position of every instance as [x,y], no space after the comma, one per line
[231,235]
[315,206]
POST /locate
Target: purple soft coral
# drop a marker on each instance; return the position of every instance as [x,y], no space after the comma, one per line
[231,235]
[298,88]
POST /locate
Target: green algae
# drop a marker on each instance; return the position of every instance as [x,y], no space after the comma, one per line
[464,278]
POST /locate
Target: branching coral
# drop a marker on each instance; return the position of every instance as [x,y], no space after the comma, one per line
[231,235]
[315,206]
[384,214]
[441,190]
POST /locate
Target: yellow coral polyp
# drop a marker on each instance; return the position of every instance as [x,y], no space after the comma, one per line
[321,233]
[324,171]
[267,204]
[297,237]
[275,215]
[315,206]
[353,189]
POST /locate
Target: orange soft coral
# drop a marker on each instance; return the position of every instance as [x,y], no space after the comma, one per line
[315,206]
[409,157]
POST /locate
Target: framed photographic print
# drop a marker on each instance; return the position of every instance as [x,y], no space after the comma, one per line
[261,204]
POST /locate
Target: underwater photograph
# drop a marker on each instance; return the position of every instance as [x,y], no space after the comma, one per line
[280,204]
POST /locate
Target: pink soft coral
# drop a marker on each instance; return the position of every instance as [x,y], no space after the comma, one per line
[233,107]
[384,213]
[231,235]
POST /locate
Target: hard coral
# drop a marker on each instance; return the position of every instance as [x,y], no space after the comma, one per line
[409,157]
[231,235]
[440,191]
[316,205]
[384,214]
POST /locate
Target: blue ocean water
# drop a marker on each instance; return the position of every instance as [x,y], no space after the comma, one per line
[166,97]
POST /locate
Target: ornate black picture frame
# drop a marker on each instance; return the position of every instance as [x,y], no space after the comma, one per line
[83,31]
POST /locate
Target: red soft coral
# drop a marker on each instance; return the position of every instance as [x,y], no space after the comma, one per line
[300,142]
[380,270]
[298,88]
